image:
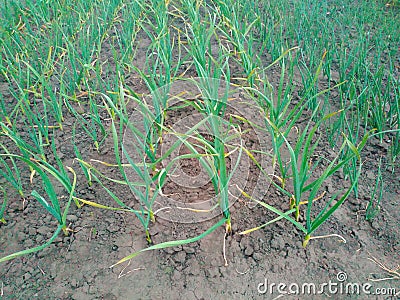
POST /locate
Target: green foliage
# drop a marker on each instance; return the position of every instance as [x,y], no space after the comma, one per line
[325,71]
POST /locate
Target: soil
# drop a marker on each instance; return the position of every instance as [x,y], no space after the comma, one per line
[78,266]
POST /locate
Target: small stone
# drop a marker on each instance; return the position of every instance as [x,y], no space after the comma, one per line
[21,236]
[193,267]
[189,250]
[32,231]
[177,248]
[180,257]
[27,276]
[249,250]
[113,228]
[275,268]
[370,175]
[243,244]
[29,243]
[19,281]
[72,218]
[212,272]
[234,227]
[177,276]
[79,295]
[375,224]
[385,145]
[109,296]
[74,283]
[92,277]
[102,233]
[330,188]
[277,242]
[43,230]
[169,250]
[93,289]
[39,239]
[258,256]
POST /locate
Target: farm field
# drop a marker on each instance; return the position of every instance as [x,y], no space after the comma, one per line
[199,149]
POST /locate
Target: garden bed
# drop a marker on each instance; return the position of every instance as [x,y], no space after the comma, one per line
[88,90]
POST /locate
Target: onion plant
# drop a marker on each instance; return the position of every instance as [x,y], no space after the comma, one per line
[300,165]
[36,149]
[218,172]
[214,104]
[78,155]
[89,121]
[149,181]
[239,33]
[50,71]
[96,176]
[307,186]
[11,174]
[373,206]
[148,186]
[54,208]
[146,190]
[279,107]
[3,206]
[394,119]
[213,77]
[127,35]
[160,66]
[4,113]
[46,91]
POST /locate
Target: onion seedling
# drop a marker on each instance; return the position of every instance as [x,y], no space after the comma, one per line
[45,89]
[314,187]
[13,174]
[53,208]
[3,206]
[239,33]
[90,121]
[85,170]
[4,114]
[373,207]
[140,166]
[26,148]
